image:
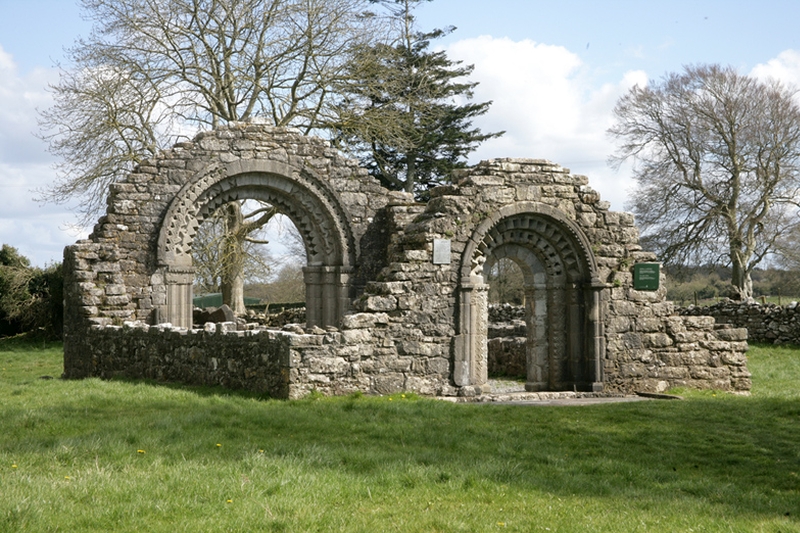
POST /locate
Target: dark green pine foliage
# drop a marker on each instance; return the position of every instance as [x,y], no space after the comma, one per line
[406,112]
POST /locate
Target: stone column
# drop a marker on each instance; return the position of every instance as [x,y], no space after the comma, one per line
[312,275]
[470,364]
[343,293]
[536,348]
[179,281]
[327,294]
[596,347]
[575,336]
[556,337]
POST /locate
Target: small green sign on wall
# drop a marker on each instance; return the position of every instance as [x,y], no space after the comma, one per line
[646,276]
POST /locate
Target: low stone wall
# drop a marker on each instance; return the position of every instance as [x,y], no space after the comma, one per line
[507,356]
[507,339]
[216,355]
[281,364]
[292,364]
[502,313]
[680,351]
[772,324]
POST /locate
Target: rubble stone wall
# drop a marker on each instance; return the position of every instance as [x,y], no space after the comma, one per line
[770,323]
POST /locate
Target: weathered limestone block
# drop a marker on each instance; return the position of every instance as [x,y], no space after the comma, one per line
[389,383]
[379,303]
[417,348]
[357,336]
[657,340]
[364,320]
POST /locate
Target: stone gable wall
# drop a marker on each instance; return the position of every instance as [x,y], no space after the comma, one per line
[114,273]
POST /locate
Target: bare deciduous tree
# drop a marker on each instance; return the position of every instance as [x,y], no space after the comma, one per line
[153,71]
[716,160]
[227,252]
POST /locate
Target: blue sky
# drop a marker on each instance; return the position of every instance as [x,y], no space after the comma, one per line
[552,69]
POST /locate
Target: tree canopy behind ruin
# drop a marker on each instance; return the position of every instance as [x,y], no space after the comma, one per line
[153,71]
[405,110]
[717,165]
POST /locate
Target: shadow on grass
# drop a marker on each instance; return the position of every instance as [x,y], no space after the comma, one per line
[199,390]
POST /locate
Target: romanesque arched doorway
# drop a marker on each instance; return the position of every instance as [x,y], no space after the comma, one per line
[306,200]
[562,293]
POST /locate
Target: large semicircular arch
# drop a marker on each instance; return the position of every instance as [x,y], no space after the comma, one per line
[308,201]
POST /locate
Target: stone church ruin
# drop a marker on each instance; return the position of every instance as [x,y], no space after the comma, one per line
[396,296]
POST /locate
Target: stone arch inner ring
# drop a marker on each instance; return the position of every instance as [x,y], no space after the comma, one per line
[320,239]
[306,200]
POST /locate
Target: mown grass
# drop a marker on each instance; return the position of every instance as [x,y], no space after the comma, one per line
[97,455]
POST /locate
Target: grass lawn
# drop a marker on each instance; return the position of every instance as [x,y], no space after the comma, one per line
[97,455]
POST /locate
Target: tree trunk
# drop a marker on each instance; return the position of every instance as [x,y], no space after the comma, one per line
[741,283]
[411,171]
[232,283]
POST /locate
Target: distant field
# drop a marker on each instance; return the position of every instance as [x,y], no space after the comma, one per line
[132,456]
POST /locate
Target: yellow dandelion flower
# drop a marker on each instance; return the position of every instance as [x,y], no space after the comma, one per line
[229,501]
[13,466]
[66,477]
[219,445]
[140,451]
[260,451]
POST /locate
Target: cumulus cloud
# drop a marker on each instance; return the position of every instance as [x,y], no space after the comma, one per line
[543,99]
[20,96]
[39,231]
[785,67]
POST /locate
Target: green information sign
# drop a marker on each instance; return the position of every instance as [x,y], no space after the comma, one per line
[646,276]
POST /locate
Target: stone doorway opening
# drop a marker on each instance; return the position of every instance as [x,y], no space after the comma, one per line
[562,300]
[553,321]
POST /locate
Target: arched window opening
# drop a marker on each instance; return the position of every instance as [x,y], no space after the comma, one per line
[247,255]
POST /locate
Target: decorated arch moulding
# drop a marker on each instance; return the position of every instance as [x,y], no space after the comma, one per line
[305,198]
[564,229]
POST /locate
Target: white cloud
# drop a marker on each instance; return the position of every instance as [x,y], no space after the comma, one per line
[39,231]
[542,99]
[785,67]
[20,96]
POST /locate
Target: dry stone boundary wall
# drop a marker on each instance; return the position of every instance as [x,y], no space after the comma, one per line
[770,323]
[394,288]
